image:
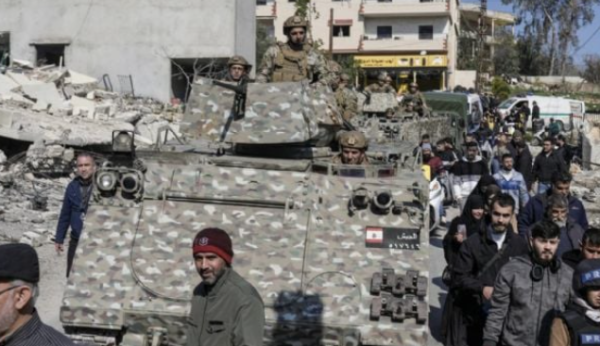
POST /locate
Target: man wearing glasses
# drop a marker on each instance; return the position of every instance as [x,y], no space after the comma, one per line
[293,61]
[20,324]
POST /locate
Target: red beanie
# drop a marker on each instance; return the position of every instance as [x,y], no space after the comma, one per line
[214,240]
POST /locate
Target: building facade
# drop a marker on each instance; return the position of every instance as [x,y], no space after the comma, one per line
[158,43]
[411,40]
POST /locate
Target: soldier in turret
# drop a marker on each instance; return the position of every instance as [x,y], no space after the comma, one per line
[237,68]
[381,86]
[414,100]
[353,146]
[293,61]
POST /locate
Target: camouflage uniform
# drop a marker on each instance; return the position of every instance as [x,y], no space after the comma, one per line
[281,63]
[418,101]
[347,102]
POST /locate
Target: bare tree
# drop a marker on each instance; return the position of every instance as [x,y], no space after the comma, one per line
[591,71]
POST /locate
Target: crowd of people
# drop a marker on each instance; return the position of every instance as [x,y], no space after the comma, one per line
[523,264]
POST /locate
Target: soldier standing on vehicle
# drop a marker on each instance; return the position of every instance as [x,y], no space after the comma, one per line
[579,324]
[293,61]
[226,309]
[346,98]
[353,149]
[74,208]
[237,68]
[381,86]
[414,100]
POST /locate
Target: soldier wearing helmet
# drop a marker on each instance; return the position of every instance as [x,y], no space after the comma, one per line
[346,98]
[353,146]
[414,100]
[381,86]
[237,68]
[295,60]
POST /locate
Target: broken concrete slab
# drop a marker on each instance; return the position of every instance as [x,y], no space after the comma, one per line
[21,78]
[46,93]
[80,78]
[22,63]
[83,107]
[6,84]
[25,125]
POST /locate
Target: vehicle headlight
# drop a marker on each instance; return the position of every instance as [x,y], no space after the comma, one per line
[130,183]
[122,142]
[106,181]
[383,200]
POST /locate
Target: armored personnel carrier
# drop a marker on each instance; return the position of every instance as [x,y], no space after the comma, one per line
[340,254]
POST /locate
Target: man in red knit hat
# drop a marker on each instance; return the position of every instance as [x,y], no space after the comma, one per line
[226,309]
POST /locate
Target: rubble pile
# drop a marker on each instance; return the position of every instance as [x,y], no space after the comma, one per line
[51,159]
[65,107]
[586,186]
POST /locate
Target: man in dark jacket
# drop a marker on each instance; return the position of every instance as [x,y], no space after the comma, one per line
[226,309]
[563,150]
[535,112]
[579,324]
[571,233]
[74,208]
[535,209]
[20,323]
[480,259]
[528,292]
[546,163]
[524,163]
[589,249]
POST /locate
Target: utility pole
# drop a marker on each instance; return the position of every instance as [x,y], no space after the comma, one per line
[331,34]
[481,38]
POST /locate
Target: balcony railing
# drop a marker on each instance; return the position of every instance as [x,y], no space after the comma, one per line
[406,8]
[400,45]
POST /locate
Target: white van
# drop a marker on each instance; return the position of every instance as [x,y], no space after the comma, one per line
[569,112]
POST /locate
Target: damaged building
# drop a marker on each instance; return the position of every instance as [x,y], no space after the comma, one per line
[139,47]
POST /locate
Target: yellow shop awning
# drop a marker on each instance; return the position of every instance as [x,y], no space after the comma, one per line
[407,61]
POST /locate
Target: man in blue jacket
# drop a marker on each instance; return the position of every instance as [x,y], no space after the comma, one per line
[534,210]
[74,208]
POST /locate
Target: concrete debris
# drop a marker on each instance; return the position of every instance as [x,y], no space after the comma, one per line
[586,186]
[51,159]
[66,107]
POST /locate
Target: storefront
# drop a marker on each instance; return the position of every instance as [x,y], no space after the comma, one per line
[429,71]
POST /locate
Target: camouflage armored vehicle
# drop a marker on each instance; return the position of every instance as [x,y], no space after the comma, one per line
[339,253]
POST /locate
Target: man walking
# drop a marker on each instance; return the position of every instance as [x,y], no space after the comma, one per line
[226,309]
[480,258]
[589,249]
[512,182]
[535,210]
[74,208]
[546,163]
[20,324]
[466,173]
[529,291]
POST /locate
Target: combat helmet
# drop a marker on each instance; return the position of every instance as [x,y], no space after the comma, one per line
[353,139]
[344,77]
[239,60]
[382,77]
[294,22]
